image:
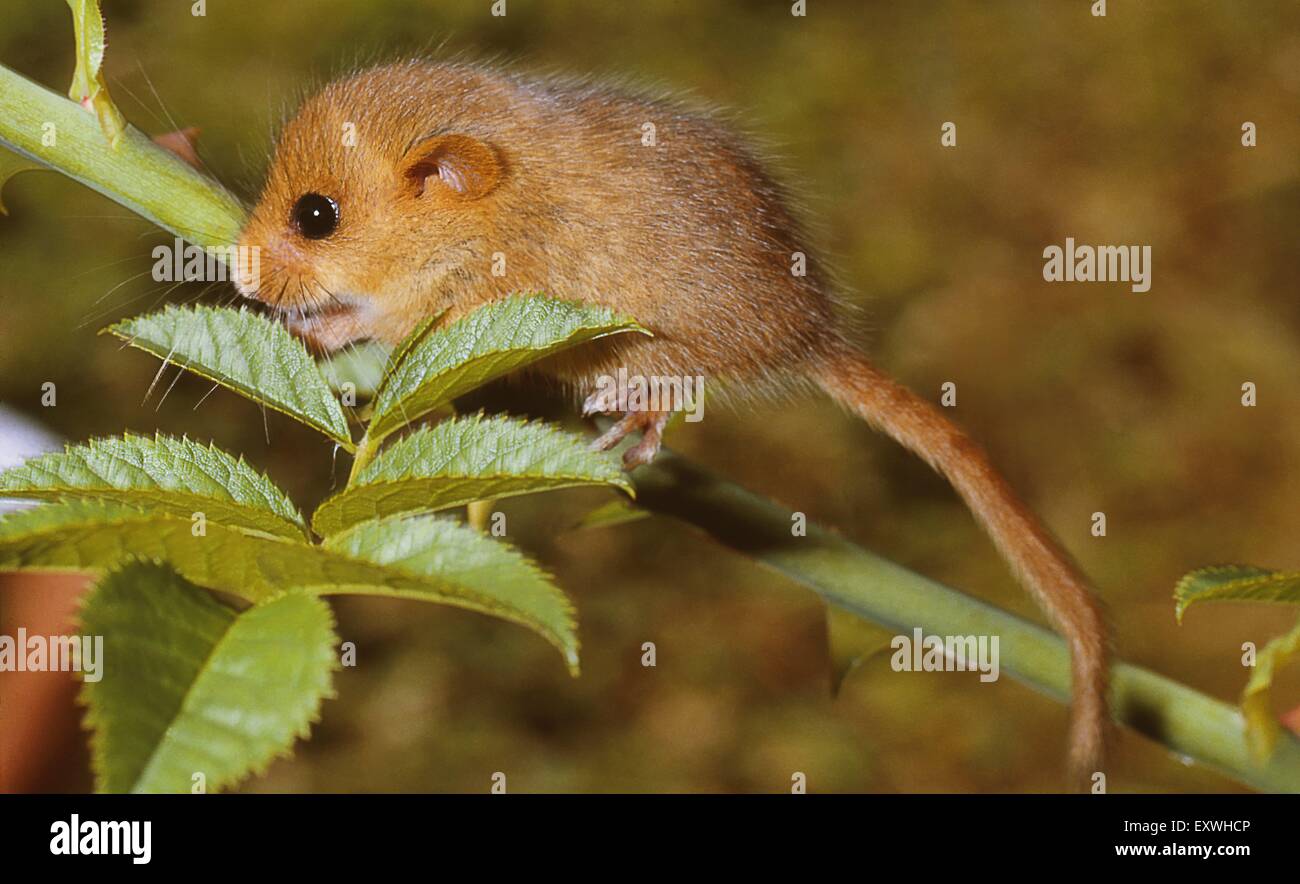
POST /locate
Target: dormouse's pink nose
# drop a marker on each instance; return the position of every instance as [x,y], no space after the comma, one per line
[278,252]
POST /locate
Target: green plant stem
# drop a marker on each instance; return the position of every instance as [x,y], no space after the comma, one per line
[365,452]
[148,180]
[478,513]
[849,577]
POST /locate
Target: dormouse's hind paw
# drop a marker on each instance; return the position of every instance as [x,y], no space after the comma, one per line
[651,425]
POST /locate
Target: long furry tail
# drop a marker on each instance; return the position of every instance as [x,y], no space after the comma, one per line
[1038,562]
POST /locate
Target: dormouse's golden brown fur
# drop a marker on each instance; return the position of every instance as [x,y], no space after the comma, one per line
[422,176]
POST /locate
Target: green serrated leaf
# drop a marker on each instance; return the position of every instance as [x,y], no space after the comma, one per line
[1262,728]
[95,535]
[490,342]
[506,583]
[12,164]
[191,686]
[163,473]
[88,86]
[467,570]
[1236,583]
[463,460]
[246,352]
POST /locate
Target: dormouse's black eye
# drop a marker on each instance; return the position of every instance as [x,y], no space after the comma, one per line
[315,216]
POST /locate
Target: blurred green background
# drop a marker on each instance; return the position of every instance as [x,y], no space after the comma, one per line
[1118,130]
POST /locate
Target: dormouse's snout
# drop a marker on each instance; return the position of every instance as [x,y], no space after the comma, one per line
[277,254]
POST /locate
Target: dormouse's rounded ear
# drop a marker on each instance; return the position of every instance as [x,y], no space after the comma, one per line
[464,165]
